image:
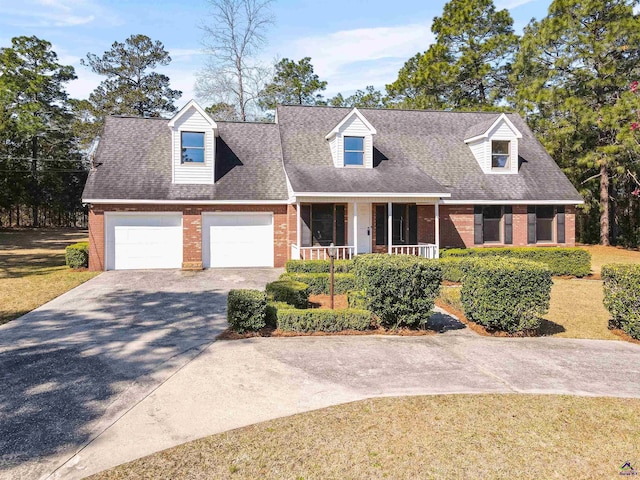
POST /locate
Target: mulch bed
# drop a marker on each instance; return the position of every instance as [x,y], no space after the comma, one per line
[621,333]
[324,301]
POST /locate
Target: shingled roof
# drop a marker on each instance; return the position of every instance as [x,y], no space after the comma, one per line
[414,152]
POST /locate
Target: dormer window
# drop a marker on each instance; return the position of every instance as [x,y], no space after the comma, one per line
[354,151]
[192,147]
[500,153]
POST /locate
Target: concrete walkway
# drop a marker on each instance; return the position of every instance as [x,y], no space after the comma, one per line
[231,384]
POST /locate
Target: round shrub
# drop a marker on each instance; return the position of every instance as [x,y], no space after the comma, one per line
[77,255]
[246,310]
[622,296]
[506,294]
[400,289]
[290,291]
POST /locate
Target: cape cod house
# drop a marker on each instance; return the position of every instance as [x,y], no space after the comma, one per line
[190,192]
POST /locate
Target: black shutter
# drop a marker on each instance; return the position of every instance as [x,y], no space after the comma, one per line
[305,214]
[508,225]
[340,221]
[561,223]
[381,224]
[477,225]
[531,224]
[413,224]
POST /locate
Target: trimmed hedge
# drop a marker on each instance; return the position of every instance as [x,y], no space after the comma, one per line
[317,320]
[400,289]
[272,312]
[622,296]
[77,255]
[452,268]
[246,310]
[290,291]
[560,260]
[319,283]
[356,299]
[318,266]
[506,294]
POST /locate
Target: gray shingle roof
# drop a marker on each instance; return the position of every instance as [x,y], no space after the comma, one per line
[135,157]
[414,152]
[426,141]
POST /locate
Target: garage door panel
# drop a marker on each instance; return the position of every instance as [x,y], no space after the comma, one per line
[144,241]
[238,240]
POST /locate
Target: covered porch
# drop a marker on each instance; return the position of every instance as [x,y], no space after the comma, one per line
[395,226]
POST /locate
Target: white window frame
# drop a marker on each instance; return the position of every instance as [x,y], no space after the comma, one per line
[507,165]
[345,151]
[204,148]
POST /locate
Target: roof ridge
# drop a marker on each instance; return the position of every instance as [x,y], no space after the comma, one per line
[417,110]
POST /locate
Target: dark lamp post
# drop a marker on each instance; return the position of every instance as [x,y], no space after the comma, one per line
[332,251]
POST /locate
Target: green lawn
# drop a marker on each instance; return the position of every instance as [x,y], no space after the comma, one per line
[33,270]
[438,437]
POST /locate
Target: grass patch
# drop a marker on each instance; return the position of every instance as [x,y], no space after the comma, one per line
[448,436]
[602,255]
[33,270]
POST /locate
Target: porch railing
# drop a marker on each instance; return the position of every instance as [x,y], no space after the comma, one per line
[425,250]
[320,253]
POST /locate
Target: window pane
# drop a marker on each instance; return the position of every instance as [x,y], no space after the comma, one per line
[499,154]
[340,230]
[381,224]
[491,230]
[193,139]
[353,158]
[413,225]
[322,223]
[354,143]
[192,155]
[544,230]
[499,161]
[399,224]
[492,212]
[305,214]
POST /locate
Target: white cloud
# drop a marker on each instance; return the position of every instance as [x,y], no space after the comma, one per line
[352,59]
[56,13]
[511,4]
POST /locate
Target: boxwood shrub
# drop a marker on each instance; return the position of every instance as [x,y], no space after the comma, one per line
[246,310]
[319,282]
[400,289]
[272,312]
[290,291]
[622,296]
[356,299]
[318,266]
[452,270]
[318,320]
[77,255]
[560,260]
[506,294]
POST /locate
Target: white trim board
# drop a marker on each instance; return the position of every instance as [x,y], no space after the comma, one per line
[511,202]
[121,201]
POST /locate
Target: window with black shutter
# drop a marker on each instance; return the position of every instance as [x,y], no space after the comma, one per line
[560,219]
[508,225]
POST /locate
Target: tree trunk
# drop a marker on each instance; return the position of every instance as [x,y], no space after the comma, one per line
[604,205]
[34,180]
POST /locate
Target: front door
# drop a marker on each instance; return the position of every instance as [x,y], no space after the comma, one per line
[364,228]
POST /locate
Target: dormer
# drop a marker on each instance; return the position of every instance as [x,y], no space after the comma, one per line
[193,154]
[494,144]
[351,142]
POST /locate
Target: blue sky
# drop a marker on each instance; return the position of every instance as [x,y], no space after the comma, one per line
[352,43]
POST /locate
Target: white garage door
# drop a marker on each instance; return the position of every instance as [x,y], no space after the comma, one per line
[143,241]
[237,240]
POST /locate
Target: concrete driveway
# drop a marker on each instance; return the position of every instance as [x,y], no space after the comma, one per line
[236,383]
[71,367]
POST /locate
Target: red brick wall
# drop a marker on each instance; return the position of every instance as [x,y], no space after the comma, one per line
[426,224]
[456,226]
[192,226]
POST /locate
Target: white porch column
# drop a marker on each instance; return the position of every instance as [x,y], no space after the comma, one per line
[390,225]
[437,228]
[298,228]
[355,228]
